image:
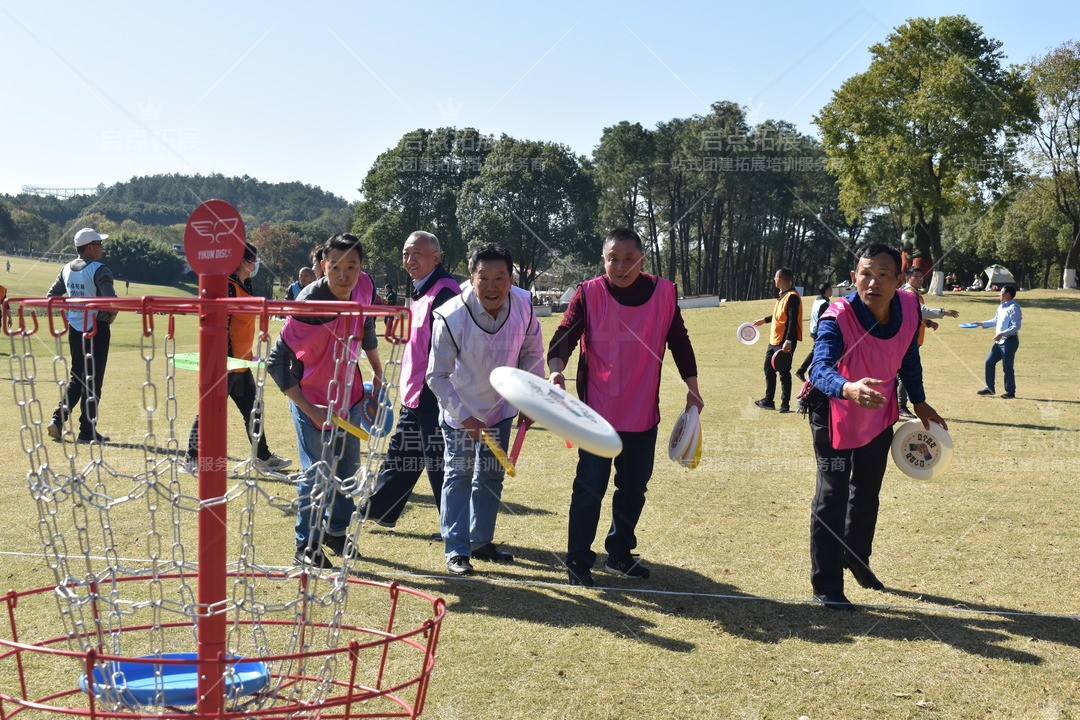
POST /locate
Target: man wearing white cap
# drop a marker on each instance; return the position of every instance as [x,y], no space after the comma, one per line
[88,336]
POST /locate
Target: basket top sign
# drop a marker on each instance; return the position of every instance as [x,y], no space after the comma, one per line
[214,238]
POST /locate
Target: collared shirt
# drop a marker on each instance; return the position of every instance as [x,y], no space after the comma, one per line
[419,284]
[1007,320]
[829,348]
[927,311]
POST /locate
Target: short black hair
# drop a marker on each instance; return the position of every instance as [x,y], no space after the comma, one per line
[824,288]
[786,273]
[624,234]
[317,253]
[344,242]
[914,269]
[250,251]
[875,249]
[490,251]
[1011,289]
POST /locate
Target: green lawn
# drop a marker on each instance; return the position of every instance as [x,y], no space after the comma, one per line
[981,564]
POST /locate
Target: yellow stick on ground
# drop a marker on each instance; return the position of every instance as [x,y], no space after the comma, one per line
[497,451]
[350,428]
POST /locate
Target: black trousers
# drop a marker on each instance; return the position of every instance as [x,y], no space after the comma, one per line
[83,389]
[242,391]
[770,376]
[843,515]
[416,446]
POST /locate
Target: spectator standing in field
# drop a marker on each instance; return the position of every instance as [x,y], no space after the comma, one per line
[303,278]
[627,319]
[89,335]
[928,314]
[490,324]
[820,303]
[1006,342]
[303,365]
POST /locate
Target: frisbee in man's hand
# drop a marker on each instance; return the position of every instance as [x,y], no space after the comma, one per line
[781,361]
[747,333]
[969,326]
[369,409]
[684,434]
[560,412]
[920,453]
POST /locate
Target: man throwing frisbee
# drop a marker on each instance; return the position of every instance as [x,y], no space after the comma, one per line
[627,318]
[864,341]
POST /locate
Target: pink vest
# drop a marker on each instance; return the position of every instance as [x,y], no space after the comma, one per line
[414,360]
[624,347]
[850,424]
[315,346]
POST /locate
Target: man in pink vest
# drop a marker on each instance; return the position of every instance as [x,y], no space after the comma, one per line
[417,444]
[626,318]
[314,362]
[864,341]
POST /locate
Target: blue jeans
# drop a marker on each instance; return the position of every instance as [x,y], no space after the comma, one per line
[1004,352]
[472,489]
[323,507]
[633,468]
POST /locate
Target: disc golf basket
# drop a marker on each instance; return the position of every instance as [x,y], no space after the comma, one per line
[164,601]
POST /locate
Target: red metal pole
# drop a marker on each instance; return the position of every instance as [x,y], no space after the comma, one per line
[213,445]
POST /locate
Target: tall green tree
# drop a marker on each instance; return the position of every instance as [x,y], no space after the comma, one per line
[924,126]
[537,199]
[1056,79]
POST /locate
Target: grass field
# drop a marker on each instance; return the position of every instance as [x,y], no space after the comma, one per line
[980,619]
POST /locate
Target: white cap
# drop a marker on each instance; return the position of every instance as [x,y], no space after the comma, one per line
[87,236]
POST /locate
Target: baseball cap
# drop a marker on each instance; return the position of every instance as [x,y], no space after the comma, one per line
[86,236]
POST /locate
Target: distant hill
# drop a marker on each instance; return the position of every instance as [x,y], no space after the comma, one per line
[169,199]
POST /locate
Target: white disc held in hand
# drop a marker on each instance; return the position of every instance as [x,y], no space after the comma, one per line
[560,412]
[684,434]
[747,333]
[920,453]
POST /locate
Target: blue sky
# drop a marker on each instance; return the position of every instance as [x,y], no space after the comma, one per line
[100,92]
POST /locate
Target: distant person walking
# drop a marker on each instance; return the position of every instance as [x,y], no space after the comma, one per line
[1006,342]
[820,303]
[389,295]
[89,335]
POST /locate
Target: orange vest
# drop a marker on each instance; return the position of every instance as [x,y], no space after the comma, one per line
[780,319]
[922,323]
[241,328]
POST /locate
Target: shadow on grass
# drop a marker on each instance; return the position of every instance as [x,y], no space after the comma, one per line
[1012,425]
[638,610]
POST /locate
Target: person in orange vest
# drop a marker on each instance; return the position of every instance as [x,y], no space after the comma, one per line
[786,320]
[241,383]
[914,282]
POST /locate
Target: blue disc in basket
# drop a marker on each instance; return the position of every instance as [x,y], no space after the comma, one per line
[141,681]
[968,326]
[369,409]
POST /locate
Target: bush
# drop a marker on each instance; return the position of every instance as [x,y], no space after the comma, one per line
[142,259]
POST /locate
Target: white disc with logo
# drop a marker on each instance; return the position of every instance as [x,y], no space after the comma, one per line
[684,434]
[747,333]
[920,453]
[560,412]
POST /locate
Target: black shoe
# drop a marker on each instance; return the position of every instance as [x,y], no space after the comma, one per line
[765,404]
[628,567]
[864,575]
[312,558]
[95,437]
[906,414]
[491,553]
[55,430]
[1008,396]
[985,391]
[459,565]
[337,544]
[835,601]
[580,576]
[785,409]
[801,374]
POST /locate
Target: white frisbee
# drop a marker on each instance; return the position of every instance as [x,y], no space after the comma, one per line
[919,453]
[684,434]
[747,333]
[560,412]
